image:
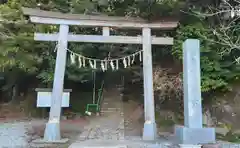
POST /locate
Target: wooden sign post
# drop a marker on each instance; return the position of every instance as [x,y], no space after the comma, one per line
[44,97]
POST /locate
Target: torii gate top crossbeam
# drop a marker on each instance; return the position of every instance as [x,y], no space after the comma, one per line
[49,17]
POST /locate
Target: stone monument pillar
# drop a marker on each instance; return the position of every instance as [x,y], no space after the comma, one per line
[193,131]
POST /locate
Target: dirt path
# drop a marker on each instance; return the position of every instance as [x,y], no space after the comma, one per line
[103,128]
[133,119]
[114,127]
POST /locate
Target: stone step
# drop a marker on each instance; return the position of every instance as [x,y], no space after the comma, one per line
[123,144]
[112,99]
[109,108]
[100,146]
[84,135]
[111,104]
[109,111]
[105,147]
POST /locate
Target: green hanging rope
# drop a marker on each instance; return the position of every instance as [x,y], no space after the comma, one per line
[94,87]
[95,103]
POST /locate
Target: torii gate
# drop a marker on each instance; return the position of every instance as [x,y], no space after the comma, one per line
[52,130]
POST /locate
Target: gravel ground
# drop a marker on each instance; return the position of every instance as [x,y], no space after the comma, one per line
[20,134]
[13,135]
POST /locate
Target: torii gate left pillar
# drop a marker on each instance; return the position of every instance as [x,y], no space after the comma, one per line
[52,130]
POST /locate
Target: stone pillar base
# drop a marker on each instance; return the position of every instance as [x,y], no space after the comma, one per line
[186,135]
[149,131]
[52,132]
[189,146]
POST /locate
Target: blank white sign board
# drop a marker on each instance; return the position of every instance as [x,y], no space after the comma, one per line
[44,99]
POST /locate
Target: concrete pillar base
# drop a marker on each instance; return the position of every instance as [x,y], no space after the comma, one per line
[186,135]
[52,132]
[149,131]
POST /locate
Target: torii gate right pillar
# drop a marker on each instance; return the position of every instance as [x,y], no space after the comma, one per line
[149,130]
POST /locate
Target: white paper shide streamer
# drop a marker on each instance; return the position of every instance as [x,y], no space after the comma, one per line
[117,66]
[95,64]
[72,58]
[140,56]
[91,64]
[84,61]
[106,64]
[133,59]
[124,63]
[129,60]
[80,62]
[103,66]
[112,65]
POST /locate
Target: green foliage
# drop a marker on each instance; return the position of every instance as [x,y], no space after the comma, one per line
[19,52]
[217,70]
[17,57]
[16,43]
[230,136]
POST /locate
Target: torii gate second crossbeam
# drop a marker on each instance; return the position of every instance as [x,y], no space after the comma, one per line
[52,131]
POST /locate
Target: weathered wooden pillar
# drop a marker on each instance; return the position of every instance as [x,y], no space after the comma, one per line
[52,130]
[149,131]
[193,131]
